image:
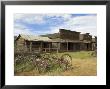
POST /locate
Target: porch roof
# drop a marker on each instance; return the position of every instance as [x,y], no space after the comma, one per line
[34,38]
[65,40]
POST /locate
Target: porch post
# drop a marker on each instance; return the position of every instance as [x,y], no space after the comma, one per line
[57,47]
[30,46]
[72,46]
[25,46]
[41,46]
[67,46]
[49,47]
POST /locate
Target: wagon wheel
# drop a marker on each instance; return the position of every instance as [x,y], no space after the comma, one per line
[67,57]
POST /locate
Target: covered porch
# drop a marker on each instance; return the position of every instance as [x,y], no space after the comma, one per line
[44,46]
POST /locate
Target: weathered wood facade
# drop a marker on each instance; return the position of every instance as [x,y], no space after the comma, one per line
[31,43]
[67,41]
[75,40]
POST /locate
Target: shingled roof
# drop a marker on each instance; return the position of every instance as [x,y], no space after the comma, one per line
[34,37]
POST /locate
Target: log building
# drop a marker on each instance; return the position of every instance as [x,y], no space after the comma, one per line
[65,40]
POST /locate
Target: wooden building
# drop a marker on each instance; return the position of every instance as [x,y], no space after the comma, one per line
[94,43]
[73,41]
[65,40]
[31,43]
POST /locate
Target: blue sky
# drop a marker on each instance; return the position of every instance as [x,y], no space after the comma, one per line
[38,24]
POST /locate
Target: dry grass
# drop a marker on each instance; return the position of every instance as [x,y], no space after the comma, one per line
[83,65]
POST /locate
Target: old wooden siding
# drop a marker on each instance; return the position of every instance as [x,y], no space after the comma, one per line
[67,41]
[20,44]
[67,34]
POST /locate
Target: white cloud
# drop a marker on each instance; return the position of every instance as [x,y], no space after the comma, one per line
[64,16]
[21,29]
[83,24]
[30,18]
[18,16]
[38,18]
[33,19]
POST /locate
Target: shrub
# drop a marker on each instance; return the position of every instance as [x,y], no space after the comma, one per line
[43,62]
